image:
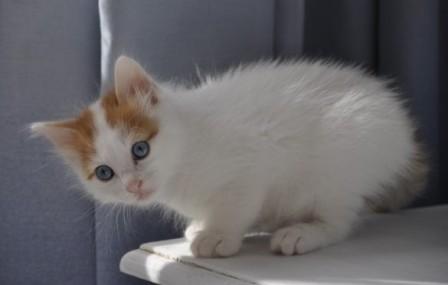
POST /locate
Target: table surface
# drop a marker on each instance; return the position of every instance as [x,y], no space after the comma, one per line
[403,248]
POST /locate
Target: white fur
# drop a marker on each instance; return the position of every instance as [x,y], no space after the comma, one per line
[288,148]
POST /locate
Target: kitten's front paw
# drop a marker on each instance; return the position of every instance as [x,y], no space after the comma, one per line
[211,244]
[193,229]
[297,239]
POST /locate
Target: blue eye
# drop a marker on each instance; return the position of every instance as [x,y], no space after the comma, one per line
[104,173]
[140,150]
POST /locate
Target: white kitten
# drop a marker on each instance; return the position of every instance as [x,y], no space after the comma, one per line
[297,149]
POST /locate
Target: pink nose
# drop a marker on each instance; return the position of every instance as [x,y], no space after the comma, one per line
[134,186]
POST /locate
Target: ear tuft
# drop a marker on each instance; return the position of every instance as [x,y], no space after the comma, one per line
[37,128]
[53,131]
[40,129]
[131,79]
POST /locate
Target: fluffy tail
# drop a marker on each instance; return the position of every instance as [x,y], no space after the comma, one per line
[405,187]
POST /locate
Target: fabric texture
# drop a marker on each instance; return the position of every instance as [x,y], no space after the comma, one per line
[55,55]
[49,65]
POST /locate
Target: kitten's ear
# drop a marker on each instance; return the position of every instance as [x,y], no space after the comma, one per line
[131,79]
[56,132]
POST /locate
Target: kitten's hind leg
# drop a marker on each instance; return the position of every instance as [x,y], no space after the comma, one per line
[330,225]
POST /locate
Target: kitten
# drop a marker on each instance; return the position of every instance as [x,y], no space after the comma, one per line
[295,149]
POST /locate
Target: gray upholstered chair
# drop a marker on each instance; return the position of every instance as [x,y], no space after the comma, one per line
[54,55]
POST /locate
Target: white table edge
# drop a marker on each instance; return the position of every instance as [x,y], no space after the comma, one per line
[131,264]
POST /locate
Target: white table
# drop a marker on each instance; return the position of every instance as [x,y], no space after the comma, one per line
[404,248]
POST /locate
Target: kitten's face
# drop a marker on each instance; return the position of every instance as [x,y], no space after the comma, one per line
[110,145]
